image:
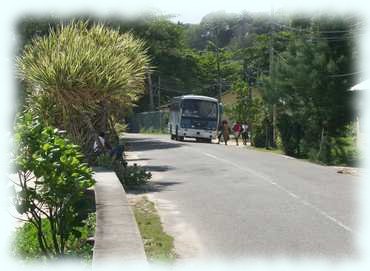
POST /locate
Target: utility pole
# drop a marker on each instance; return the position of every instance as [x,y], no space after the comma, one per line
[218,74]
[159,102]
[271,72]
[249,99]
[150,86]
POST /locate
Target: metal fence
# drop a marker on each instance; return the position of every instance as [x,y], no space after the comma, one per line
[154,121]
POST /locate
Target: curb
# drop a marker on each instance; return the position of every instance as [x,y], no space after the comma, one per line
[117,237]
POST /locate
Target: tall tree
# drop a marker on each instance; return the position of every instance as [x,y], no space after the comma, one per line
[87,74]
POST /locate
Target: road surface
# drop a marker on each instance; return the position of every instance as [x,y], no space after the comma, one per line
[229,201]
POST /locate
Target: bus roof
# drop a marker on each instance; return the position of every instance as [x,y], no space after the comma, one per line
[197,97]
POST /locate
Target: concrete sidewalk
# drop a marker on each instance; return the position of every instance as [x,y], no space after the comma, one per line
[117,237]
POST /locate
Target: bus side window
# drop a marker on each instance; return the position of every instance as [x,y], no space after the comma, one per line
[175,107]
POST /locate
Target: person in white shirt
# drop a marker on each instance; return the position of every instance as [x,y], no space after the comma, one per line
[245,133]
[100,144]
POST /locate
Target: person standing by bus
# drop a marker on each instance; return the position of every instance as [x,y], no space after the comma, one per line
[245,133]
[225,132]
[219,132]
[237,128]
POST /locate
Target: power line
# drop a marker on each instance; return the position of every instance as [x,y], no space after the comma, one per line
[330,75]
[343,37]
[344,74]
[289,27]
[286,61]
[310,31]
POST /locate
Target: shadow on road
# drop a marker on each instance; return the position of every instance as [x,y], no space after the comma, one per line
[153,186]
[137,159]
[158,168]
[146,144]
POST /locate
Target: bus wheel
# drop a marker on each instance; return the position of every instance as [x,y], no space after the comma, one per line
[177,134]
[172,136]
[209,140]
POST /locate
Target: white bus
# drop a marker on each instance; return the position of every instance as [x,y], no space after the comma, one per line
[195,117]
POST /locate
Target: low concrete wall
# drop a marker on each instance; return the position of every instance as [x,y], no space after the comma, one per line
[117,237]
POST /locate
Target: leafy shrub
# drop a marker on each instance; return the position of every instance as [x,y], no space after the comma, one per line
[135,175]
[52,182]
[120,128]
[291,134]
[26,245]
[105,161]
[336,151]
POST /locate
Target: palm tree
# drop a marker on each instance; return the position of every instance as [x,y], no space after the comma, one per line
[80,77]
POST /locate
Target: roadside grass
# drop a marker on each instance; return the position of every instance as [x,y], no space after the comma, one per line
[26,247]
[158,245]
[343,152]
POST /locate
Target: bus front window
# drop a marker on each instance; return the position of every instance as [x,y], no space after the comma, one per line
[199,114]
[199,109]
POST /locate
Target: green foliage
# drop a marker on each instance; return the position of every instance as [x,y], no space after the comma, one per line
[241,111]
[95,59]
[26,246]
[334,151]
[291,135]
[85,75]
[314,107]
[250,110]
[135,175]
[52,182]
[105,161]
[120,128]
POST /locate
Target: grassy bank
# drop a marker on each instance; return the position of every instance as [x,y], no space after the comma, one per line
[158,245]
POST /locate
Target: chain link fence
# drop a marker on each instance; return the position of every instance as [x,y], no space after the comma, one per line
[154,121]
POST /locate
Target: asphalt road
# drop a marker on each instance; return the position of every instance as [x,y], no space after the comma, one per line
[240,202]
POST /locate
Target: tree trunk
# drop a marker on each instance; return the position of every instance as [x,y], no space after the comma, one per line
[103,118]
[54,234]
[151,99]
[273,142]
[321,143]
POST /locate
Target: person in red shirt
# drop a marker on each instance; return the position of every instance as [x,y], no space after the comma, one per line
[237,131]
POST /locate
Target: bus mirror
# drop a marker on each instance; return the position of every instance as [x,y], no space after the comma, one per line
[221,108]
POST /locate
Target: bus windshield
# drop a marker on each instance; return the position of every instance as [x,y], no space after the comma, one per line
[199,109]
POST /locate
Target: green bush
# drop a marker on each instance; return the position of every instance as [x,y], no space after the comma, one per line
[290,133]
[105,161]
[52,179]
[128,175]
[335,151]
[120,128]
[135,175]
[26,246]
